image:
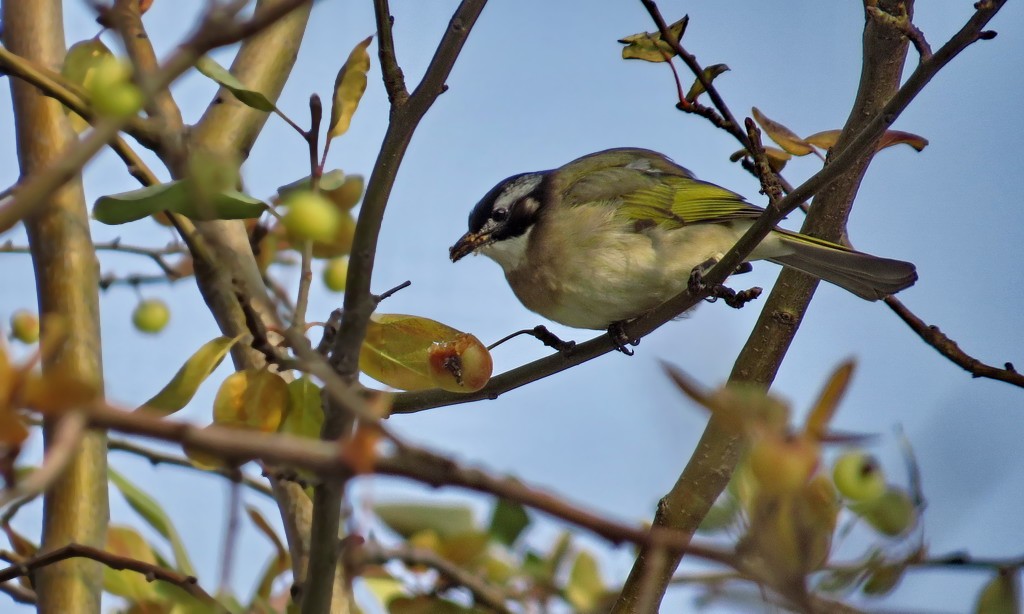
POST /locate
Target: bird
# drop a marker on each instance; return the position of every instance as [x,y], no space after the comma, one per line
[612,235]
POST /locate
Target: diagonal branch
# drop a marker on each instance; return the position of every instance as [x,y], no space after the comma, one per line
[152,572]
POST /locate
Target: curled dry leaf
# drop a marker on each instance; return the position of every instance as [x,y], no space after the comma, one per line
[786,138]
[709,73]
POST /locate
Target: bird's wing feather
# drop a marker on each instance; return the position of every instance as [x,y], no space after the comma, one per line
[648,187]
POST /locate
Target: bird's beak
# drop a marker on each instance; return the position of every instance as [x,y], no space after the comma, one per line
[467,244]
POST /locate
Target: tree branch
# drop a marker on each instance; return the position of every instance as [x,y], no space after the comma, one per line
[152,572]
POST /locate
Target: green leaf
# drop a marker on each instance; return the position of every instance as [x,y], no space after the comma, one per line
[305,415]
[649,46]
[426,605]
[182,387]
[385,589]
[348,88]
[331,180]
[1001,594]
[176,197]
[508,521]
[126,541]
[277,565]
[156,517]
[407,519]
[585,587]
[722,515]
[709,74]
[250,98]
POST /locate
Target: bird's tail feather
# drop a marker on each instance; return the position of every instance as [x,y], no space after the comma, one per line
[867,276]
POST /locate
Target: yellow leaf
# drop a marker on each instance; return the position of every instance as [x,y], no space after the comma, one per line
[348,88]
[182,387]
[823,410]
[305,415]
[252,398]
[786,138]
[649,46]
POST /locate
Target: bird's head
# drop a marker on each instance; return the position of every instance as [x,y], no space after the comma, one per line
[499,225]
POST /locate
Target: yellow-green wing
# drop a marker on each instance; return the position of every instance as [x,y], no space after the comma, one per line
[674,201]
[646,186]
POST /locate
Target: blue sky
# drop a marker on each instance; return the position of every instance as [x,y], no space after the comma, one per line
[541,83]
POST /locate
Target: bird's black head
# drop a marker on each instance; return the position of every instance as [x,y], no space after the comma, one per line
[507,211]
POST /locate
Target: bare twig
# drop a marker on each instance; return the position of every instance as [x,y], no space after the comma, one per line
[113,561]
[951,350]
[485,594]
[159,458]
[19,593]
[394,80]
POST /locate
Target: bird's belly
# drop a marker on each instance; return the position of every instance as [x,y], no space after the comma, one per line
[594,283]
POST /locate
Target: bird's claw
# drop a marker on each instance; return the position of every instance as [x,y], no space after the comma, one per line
[621,340]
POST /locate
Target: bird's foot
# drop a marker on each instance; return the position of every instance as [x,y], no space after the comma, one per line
[732,298]
[696,284]
[543,335]
[620,339]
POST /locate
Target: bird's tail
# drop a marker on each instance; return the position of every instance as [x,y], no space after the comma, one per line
[867,276]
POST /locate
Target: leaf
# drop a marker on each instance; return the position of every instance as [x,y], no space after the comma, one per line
[176,197]
[407,519]
[650,47]
[331,180]
[182,387]
[305,415]
[786,138]
[254,398]
[508,521]
[828,138]
[250,98]
[385,589]
[724,514]
[426,605]
[828,401]
[883,580]
[1001,594]
[709,73]
[585,586]
[279,564]
[415,353]
[156,517]
[348,88]
[464,548]
[127,542]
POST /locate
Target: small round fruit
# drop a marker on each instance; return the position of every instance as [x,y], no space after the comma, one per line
[858,476]
[311,217]
[111,88]
[151,316]
[336,273]
[25,326]
[892,514]
[782,464]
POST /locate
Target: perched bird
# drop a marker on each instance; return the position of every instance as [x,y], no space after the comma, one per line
[612,235]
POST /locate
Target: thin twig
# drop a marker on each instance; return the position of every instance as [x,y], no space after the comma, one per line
[484,593]
[951,350]
[113,561]
[159,458]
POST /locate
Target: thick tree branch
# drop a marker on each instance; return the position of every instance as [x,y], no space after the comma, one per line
[75,504]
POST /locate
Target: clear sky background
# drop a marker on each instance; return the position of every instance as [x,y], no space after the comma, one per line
[540,83]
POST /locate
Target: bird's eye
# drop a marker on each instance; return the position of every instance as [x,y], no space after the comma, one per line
[499,215]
